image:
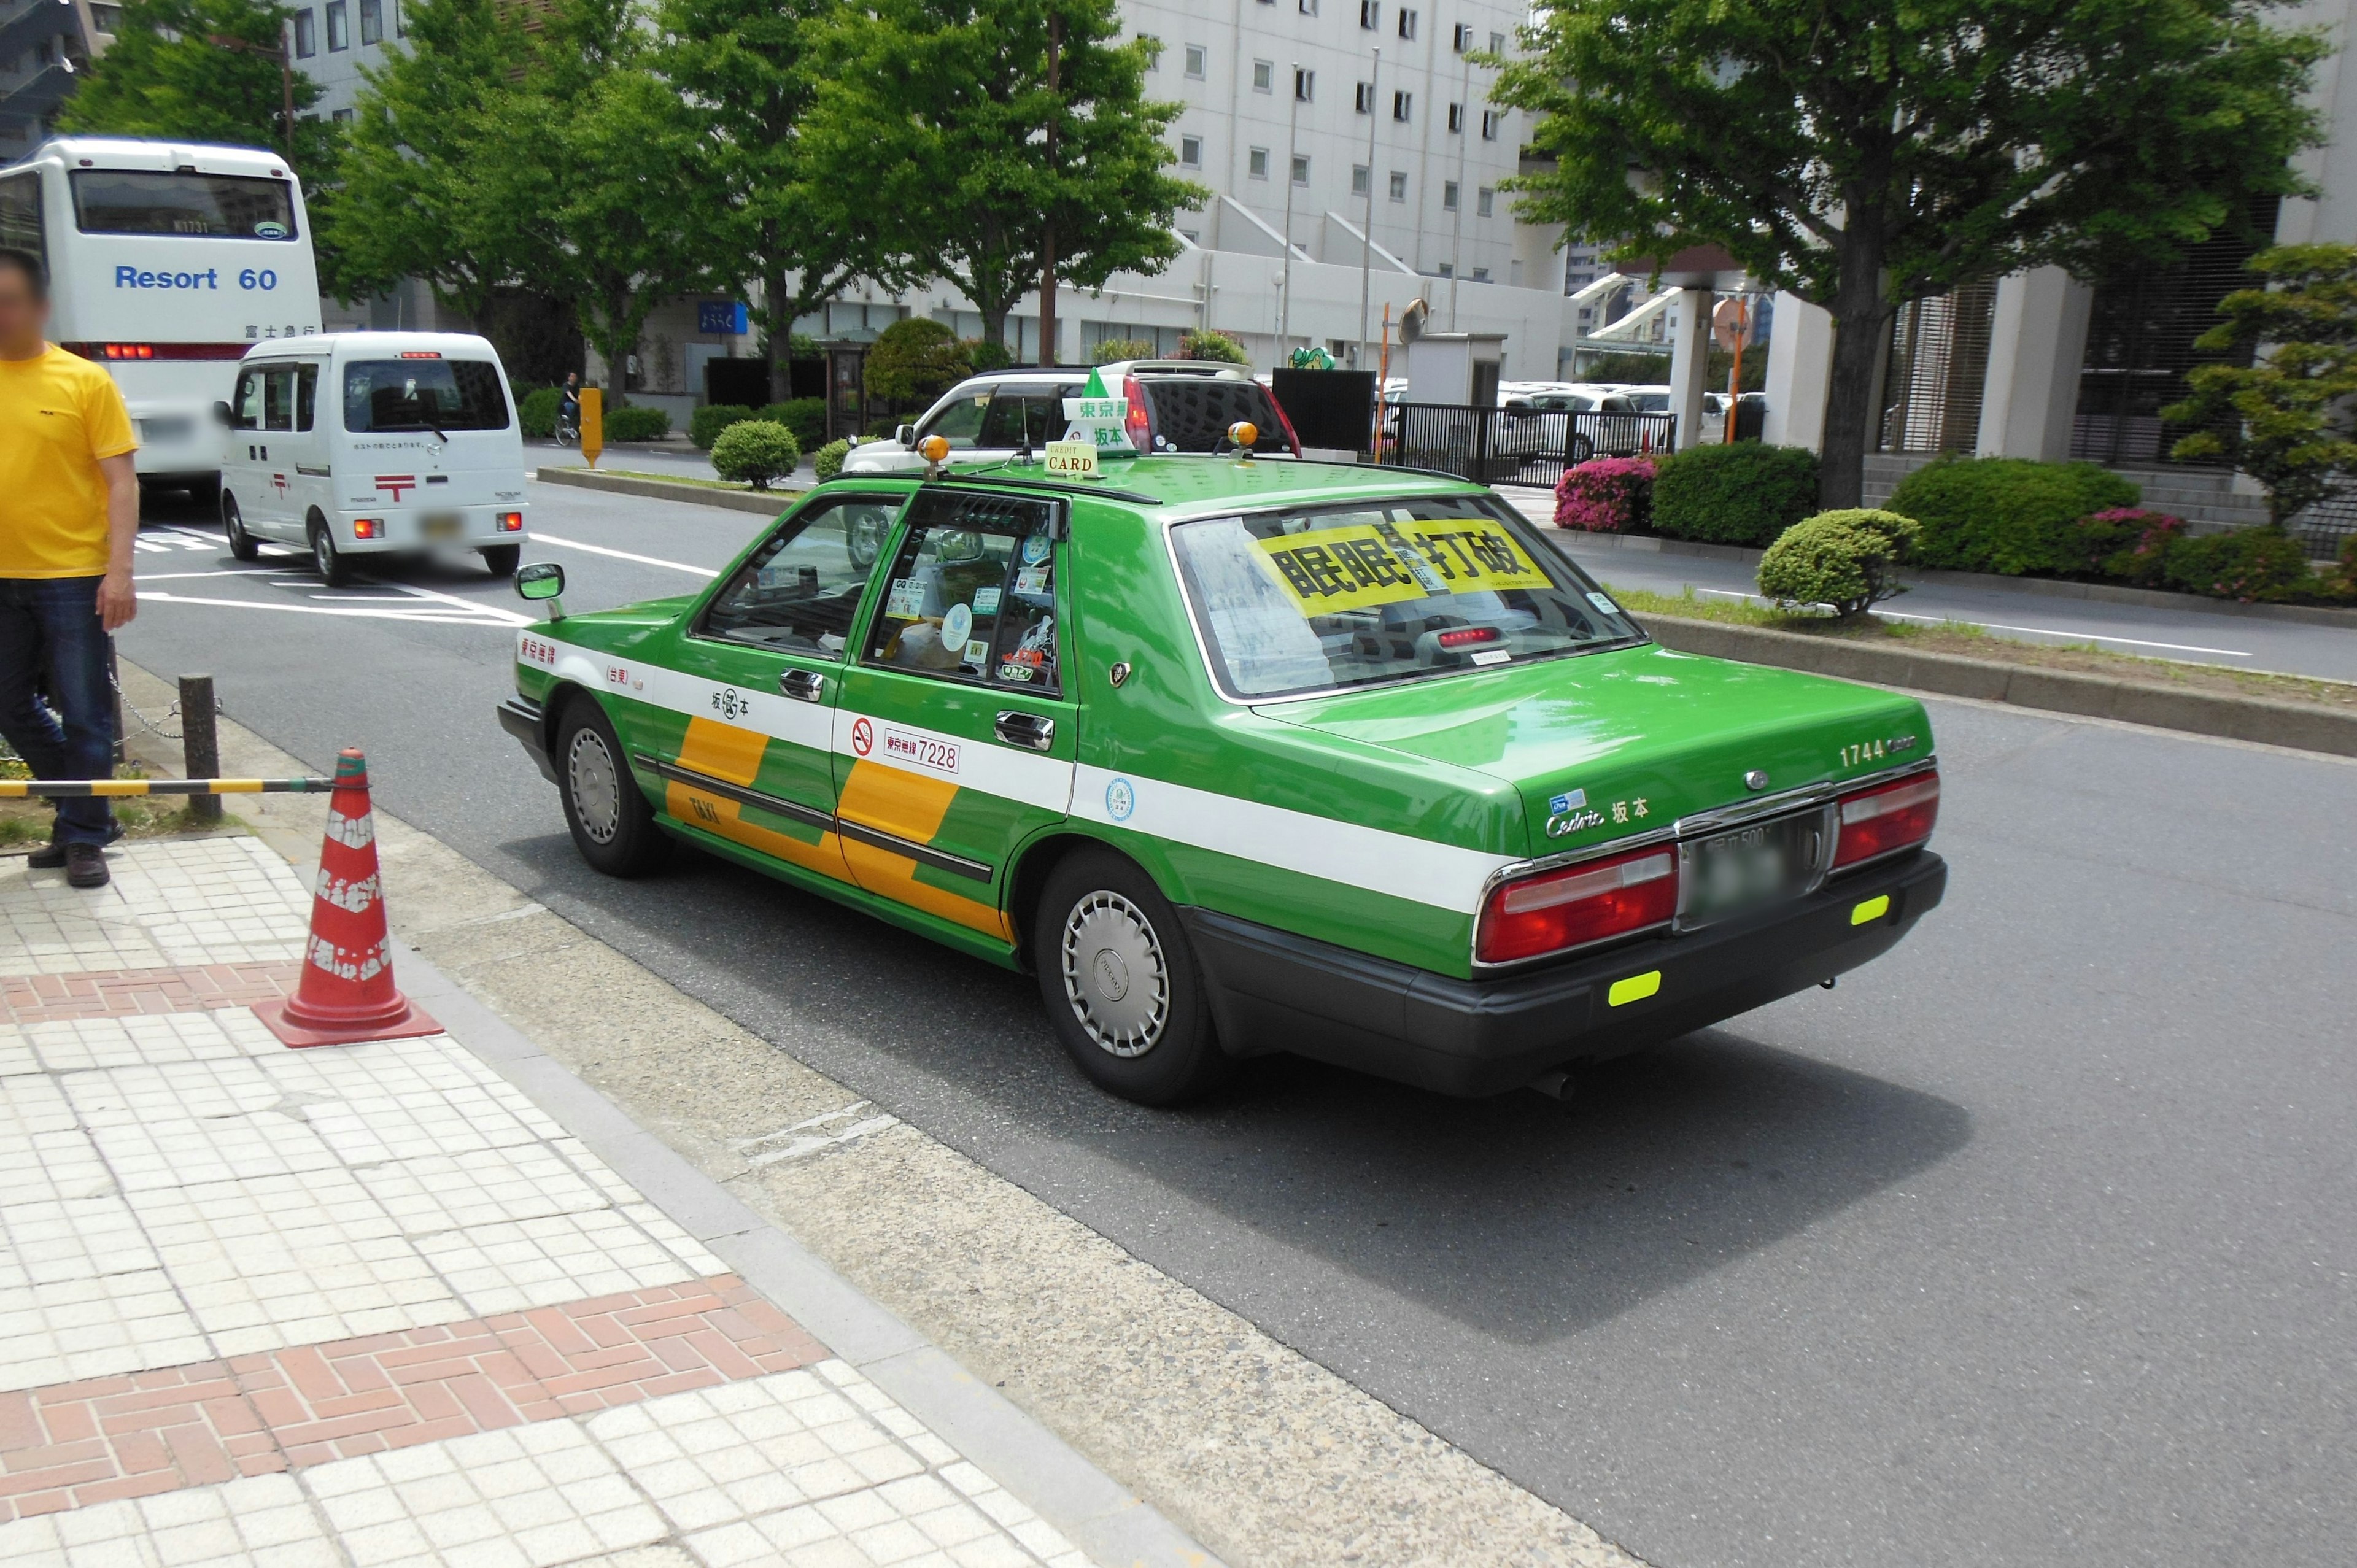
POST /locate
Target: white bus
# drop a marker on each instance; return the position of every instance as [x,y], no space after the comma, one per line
[167,261]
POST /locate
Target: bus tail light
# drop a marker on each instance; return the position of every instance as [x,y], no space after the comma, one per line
[511,523]
[1578,904]
[1874,823]
[368,528]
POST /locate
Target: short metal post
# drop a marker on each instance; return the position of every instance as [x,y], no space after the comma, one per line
[200,743]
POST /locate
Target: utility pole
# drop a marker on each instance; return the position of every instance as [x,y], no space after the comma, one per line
[1367,231]
[1292,144]
[1456,241]
[286,81]
[1048,233]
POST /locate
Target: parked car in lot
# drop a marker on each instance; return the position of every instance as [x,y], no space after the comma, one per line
[1176,405]
[1551,422]
[1240,757]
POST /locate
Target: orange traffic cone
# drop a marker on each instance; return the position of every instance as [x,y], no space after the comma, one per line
[346,993]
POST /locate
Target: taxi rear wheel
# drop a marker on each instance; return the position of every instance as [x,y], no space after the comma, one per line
[1119,981]
[612,825]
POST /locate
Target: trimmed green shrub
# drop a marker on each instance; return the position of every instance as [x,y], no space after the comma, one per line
[704,426]
[2249,563]
[805,416]
[2005,514]
[536,412]
[914,360]
[827,461]
[1113,349]
[984,355]
[758,450]
[1744,494]
[1844,560]
[632,423]
[1215,344]
[2340,581]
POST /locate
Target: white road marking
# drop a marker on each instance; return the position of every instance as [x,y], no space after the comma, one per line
[2001,625]
[421,613]
[804,1139]
[541,538]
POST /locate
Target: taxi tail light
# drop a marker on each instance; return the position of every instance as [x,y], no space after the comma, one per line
[1136,424]
[1578,904]
[1874,823]
[511,523]
[368,528]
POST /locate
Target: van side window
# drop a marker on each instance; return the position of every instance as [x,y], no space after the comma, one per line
[306,390]
[278,398]
[248,403]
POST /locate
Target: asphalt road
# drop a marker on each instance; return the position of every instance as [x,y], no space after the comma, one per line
[2033,1244]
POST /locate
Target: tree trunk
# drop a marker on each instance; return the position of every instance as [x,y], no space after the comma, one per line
[776,315]
[1861,318]
[993,322]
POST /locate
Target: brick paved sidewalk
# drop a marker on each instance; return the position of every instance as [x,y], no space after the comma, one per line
[368,1305]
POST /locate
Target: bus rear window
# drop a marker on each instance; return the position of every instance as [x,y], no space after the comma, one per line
[424,394]
[203,206]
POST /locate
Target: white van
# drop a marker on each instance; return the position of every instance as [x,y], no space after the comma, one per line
[350,444]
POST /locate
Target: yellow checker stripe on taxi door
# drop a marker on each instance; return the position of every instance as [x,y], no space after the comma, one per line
[907,806]
[725,751]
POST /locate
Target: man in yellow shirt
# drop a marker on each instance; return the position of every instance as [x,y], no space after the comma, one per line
[69,513]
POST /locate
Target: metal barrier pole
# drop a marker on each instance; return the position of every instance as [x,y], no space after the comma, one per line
[200,742]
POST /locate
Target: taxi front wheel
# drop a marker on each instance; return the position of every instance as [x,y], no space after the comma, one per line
[613,826]
[1120,982]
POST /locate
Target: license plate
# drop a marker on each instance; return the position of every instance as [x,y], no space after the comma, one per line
[1749,867]
[441,525]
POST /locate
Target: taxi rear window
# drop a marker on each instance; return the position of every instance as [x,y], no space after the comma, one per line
[1327,598]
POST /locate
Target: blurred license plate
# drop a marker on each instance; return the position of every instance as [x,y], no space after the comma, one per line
[441,525]
[1748,867]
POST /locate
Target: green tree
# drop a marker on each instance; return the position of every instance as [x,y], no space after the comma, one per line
[745,70]
[914,357]
[167,74]
[435,185]
[2286,419]
[1866,153]
[936,123]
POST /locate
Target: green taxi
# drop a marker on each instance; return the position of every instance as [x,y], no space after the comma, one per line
[1244,757]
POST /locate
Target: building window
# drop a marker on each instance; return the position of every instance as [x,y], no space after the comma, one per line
[341,116]
[1192,236]
[1407,24]
[1399,186]
[106,19]
[1461,38]
[1481,274]
[1491,120]
[400,20]
[1153,50]
[1448,268]
[1497,43]
[1363,99]
[1301,171]
[307,35]
[1309,8]
[1264,76]
[1196,55]
[1449,196]
[339,35]
[1371,14]
[1362,180]
[1403,105]
[1305,85]
[1456,119]
[1256,163]
[1190,152]
[372,22]
[1484,200]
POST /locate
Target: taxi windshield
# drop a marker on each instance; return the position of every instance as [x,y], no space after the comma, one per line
[1325,599]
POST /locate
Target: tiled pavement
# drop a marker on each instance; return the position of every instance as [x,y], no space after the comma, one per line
[368,1305]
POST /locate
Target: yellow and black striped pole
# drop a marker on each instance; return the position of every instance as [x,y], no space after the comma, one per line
[65,789]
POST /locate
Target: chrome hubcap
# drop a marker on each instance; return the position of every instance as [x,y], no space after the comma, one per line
[1115,975]
[597,788]
[323,550]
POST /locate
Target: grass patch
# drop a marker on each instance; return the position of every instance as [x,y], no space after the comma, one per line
[1973,642]
[25,824]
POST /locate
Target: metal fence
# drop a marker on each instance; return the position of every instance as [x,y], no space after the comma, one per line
[1515,446]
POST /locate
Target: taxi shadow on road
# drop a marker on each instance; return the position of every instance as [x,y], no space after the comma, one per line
[1520,1215]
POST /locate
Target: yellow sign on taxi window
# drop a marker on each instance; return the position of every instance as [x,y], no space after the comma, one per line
[1361,565]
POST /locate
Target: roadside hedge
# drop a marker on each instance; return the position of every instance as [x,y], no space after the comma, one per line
[805,416]
[633,422]
[1844,560]
[704,426]
[827,461]
[536,412]
[2250,564]
[1745,493]
[2005,514]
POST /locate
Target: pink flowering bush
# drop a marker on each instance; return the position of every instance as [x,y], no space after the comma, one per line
[1606,495]
[2130,544]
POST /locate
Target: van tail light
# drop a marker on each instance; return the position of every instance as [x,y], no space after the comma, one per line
[511,523]
[1578,904]
[1874,823]
[368,528]
[1136,425]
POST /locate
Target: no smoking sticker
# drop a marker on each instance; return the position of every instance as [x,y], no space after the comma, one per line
[863,736]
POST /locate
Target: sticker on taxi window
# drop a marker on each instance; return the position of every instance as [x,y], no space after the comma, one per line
[906,601]
[1362,564]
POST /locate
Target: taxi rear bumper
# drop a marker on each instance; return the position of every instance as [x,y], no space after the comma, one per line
[1273,990]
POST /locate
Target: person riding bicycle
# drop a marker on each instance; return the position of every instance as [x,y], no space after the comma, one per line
[568,402]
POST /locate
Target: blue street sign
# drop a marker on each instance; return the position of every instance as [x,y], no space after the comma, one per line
[720,316]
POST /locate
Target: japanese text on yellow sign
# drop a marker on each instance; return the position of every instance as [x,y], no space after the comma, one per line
[1363,564]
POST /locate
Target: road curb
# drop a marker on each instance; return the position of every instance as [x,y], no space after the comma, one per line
[2042,588]
[769,504]
[1106,1520]
[2295,724]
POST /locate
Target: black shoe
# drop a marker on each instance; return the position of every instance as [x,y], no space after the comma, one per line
[86,865]
[48,857]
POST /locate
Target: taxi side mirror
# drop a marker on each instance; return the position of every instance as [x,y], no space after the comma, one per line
[223,412]
[907,436]
[540,580]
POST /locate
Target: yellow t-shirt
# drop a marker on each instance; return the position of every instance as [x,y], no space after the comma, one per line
[59,416]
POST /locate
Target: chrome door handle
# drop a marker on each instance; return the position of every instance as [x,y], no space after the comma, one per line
[1026,730]
[803,685]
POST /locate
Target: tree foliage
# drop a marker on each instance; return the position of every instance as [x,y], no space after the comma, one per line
[2286,419]
[165,76]
[930,124]
[1866,153]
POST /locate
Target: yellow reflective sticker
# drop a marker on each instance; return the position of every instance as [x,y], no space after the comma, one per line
[1360,565]
[1874,908]
[1636,988]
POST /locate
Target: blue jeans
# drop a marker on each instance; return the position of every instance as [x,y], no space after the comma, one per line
[51,639]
